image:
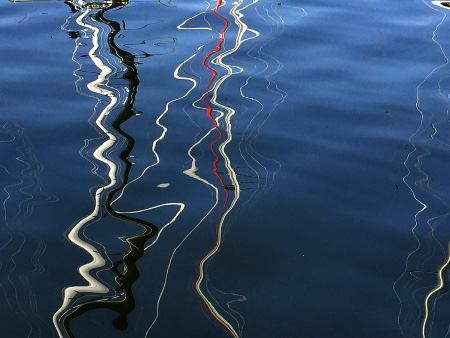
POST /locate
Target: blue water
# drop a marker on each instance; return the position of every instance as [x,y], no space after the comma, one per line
[215,169]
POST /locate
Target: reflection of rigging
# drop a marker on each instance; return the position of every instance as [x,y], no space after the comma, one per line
[221,176]
[219,312]
[207,101]
[90,16]
[421,289]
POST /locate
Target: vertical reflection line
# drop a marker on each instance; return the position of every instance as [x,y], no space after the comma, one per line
[418,167]
[445,265]
[436,289]
[200,275]
[130,273]
[94,286]
[158,123]
[231,172]
[191,172]
[257,157]
[219,223]
[154,146]
[242,28]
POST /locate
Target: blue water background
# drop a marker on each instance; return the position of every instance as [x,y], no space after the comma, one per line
[318,244]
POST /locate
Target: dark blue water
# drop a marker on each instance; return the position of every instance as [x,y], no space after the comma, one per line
[215,169]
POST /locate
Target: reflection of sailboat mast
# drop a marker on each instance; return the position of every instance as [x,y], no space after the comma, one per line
[223,313]
[421,287]
[135,243]
[201,276]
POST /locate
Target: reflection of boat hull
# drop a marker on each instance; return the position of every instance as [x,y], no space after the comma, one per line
[444,4]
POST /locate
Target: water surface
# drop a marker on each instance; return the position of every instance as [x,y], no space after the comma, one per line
[215,169]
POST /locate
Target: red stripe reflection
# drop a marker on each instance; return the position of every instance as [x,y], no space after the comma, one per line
[209,111]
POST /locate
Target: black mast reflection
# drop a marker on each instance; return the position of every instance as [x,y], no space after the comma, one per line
[135,243]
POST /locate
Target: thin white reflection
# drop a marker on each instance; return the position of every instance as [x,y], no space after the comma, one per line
[20,250]
[422,283]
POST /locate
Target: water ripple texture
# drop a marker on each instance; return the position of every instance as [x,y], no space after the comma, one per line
[21,249]
[222,171]
[422,288]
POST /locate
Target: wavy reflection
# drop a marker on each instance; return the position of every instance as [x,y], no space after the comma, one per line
[20,250]
[225,95]
[237,173]
[116,85]
[423,287]
[223,313]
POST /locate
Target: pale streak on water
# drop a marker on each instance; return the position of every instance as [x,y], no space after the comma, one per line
[421,286]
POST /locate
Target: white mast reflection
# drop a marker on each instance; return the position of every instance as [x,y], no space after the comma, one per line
[421,287]
[107,65]
[96,86]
